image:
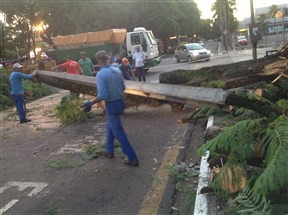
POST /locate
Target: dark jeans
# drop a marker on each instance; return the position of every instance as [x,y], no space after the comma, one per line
[20,106]
[114,129]
[141,73]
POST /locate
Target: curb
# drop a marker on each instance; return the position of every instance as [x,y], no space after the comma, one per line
[205,204]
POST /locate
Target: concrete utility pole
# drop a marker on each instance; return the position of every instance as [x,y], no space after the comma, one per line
[283,23]
[254,47]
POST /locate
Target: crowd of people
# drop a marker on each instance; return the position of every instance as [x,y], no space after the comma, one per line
[85,66]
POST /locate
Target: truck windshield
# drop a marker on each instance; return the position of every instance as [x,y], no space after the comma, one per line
[151,38]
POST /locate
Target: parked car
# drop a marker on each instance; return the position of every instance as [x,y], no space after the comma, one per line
[192,52]
[241,40]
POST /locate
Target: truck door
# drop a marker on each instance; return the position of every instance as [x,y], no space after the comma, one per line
[134,42]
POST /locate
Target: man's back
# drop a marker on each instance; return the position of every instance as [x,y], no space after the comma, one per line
[86,65]
[72,67]
[110,84]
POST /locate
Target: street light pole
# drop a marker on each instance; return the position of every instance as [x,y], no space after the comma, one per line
[254,45]
[3,40]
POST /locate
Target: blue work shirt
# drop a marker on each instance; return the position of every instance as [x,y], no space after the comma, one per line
[110,84]
[17,84]
[126,71]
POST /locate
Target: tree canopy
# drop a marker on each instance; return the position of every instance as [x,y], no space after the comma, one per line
[165,17]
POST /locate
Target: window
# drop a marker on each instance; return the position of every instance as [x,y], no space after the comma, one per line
[135,39]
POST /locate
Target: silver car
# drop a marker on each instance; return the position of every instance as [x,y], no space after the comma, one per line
[192,52]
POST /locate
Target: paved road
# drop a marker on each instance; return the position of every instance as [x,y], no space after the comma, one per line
[29,185]
[168,62]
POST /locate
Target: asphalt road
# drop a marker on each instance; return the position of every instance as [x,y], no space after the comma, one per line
[31,185]
[168,62]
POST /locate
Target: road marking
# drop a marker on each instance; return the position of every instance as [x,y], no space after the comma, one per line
[8,206]
[153,198]
[21,186]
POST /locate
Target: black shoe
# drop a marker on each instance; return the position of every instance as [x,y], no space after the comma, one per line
[25,120]
[131,163]
[107,155]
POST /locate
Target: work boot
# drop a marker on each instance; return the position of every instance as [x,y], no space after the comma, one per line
[25,120]
[131,163]
[107,154]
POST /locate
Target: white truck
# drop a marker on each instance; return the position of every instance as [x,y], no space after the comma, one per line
[112,40]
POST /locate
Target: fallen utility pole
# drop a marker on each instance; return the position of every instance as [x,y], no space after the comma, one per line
[200,96]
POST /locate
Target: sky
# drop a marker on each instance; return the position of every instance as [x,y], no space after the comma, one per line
[243,7]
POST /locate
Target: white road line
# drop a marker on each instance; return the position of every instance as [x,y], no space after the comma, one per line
[8,206]
[38,187]
[21,186]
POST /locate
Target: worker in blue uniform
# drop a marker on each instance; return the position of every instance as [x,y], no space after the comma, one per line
[110,88]
[17,90]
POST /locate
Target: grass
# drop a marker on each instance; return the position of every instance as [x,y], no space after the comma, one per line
[183,185]
[64,164]
[53,210]
[177,176]
[157,180]
[94,151]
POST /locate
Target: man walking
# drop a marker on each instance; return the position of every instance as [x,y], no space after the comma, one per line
[110,87]
[17,90]
[86,64]
[139,59]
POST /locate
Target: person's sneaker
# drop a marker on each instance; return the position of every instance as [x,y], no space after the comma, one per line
[107,155]
[25,121]
[131,163]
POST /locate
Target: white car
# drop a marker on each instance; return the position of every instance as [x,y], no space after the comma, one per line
[192,52]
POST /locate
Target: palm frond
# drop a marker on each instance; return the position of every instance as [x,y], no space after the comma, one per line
[275,142]
[236,141]
[252,204]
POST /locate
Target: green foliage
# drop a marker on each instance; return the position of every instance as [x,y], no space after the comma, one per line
[283,105]
[252,204]
[207,112]
[239,143]
[36,90]
[5,97]
[275,143]
[69,111]
[178,176]
[214,84]
[53,210]
[92,151]
[236,141]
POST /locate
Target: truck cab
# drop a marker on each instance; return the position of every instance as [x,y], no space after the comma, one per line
[147,42]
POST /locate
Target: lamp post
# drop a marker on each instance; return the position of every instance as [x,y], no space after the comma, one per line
[2,22]
[254,45]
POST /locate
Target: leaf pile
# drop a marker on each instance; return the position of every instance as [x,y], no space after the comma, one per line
[69,110]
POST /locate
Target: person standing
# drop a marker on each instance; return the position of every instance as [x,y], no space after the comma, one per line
[139,59]
[110,87]
[126,70]
[86,64]
[70,66]
[17,90]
